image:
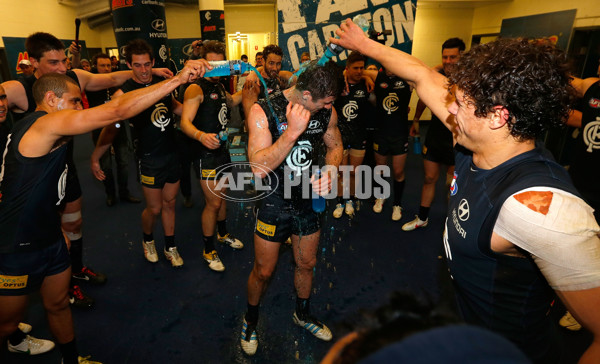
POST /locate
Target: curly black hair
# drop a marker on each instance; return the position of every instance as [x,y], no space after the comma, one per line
[530,78]
[138,47]
[272,49]
[214,46]
[321,81]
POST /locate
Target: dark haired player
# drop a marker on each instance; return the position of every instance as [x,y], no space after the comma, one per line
[305,120]
[156,149]
[33,250]
[206,110]
[517,231]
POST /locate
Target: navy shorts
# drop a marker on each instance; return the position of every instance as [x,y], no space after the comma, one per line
[210,164]
[386,147]
[23,273]
[277,220]
[155,172]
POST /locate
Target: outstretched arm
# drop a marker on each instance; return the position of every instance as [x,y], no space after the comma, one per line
[430,85]
[102,81]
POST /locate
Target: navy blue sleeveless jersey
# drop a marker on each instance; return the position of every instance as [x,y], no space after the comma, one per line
[504,293]
[31,192]
[213,114]
[154,128]
[304,154]
[352,110]
[586,157]
[393,95]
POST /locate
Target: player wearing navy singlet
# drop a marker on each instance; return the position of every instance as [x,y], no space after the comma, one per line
[33,251]
[392,95]
[288,141]
[206,110]
[517,231]
[437,149]
[352,107]
[159,168]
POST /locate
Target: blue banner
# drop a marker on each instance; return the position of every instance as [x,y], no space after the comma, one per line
[305,26]
[555,26]
[15,52]
[180,50]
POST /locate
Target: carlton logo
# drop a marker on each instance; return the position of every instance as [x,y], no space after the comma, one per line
[389,103]
[299,157]
[159,25]
[349,110]
[62,185]
[591,135]
[223,119]
[159,116]
[594,102]
[116,4]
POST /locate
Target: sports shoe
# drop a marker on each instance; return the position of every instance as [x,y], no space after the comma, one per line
[173,256]
[378,205]
[31,346]
[150,251]
[230,240]
[79,299]
[569,322]
[213,261]
[338,211]
[313,326]
[88,275]
[25,328]
[349,209]
[396,213]
[249,339]
[415,224]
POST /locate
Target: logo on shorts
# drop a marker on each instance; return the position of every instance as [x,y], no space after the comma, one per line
[594,102]
[232,179]
[299,157]
[214,96]
[264,228]
[159,116]
[389,103]
[383,85]
[62,185]
[223,115]
[591,135]
[453,185]
[13,282]
[349,110]
[147,180]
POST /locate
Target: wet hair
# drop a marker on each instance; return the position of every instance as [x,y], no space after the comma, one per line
[454,43]
[354,57]
[404,315]
[530,78]
[55,82]
[39,43]
[99,55]
[214,46]
[272,49]
[139,47]
[321,81]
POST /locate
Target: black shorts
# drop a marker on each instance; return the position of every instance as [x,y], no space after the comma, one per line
[354,137]
[439,154]
[155,172]
[210,163]
[277,220]
[73,187]
[23,273]
[384,146]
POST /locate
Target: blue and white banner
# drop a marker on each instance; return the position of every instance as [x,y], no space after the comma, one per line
[305,26]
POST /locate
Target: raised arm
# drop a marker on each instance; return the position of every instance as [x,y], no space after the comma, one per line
[16,96]
[261,149]
[430,85]
[581,85]
[102,81]
[43,134]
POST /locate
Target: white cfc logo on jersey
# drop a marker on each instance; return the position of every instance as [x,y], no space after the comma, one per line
[299,157]
[223,114]
[389,103]
[62,184]
[349,110]
[159,116]
[591,135]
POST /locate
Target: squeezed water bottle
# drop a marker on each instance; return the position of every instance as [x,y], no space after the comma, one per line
[334,49]
[318,201]
[222,136]
[226,68]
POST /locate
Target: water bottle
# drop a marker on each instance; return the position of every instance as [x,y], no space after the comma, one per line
[226,68]
[222,136]
[318,201]
[417,148]
[334,49]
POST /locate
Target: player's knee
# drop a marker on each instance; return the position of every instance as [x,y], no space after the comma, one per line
[57,303]
[154,210]
[430,178]
[263,273]
[71,222]
[306,263]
